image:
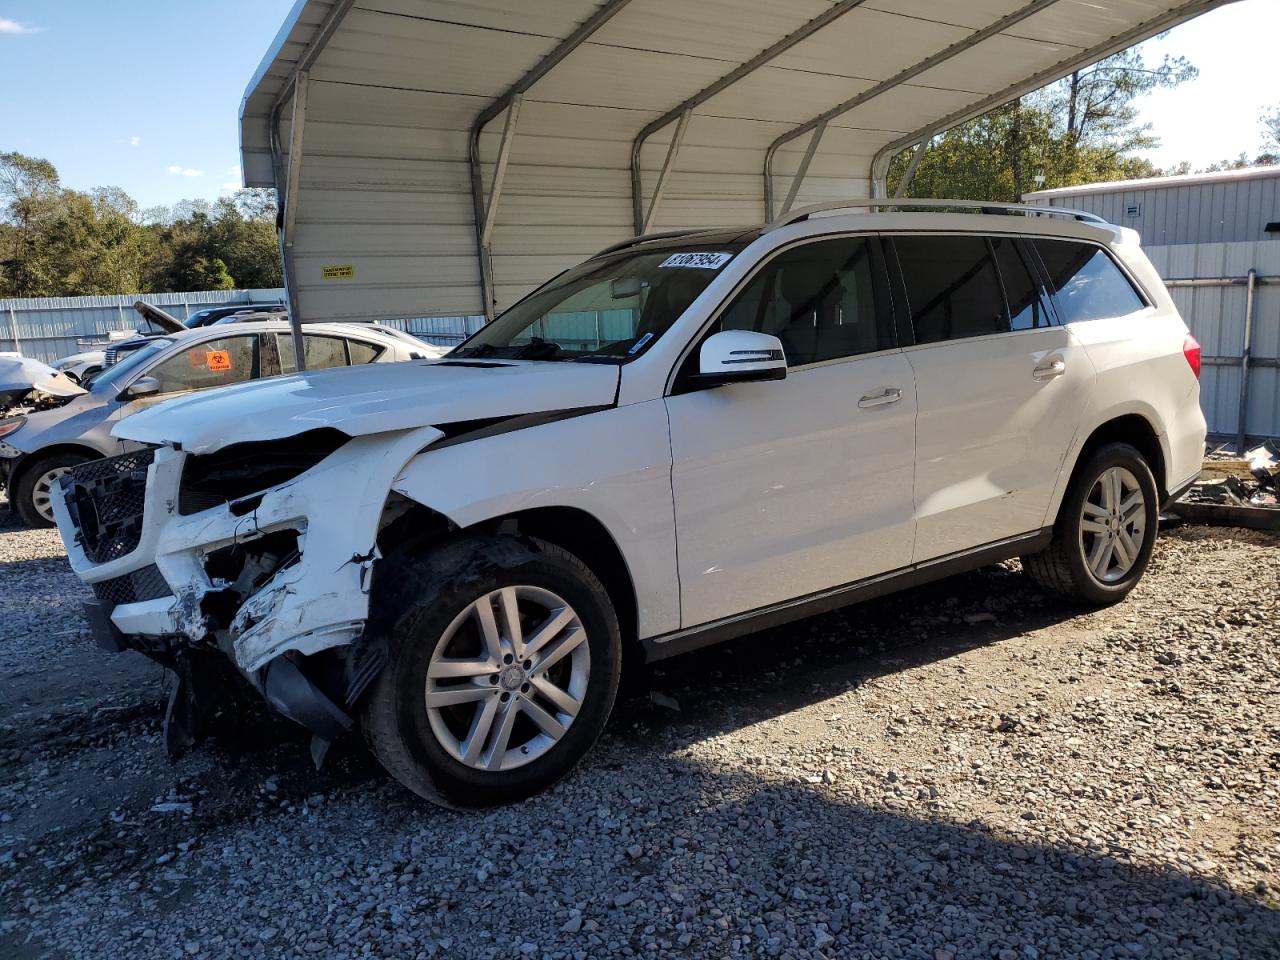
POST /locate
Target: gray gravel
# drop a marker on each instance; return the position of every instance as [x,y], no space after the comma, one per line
[965,770]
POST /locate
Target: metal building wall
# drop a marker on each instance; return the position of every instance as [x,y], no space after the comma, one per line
[46,328]
[1216,210]
[52,327]
[1216,315]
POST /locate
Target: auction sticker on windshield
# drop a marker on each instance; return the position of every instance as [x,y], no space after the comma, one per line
[698,261]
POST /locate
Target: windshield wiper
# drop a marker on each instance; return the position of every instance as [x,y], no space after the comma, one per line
[479,350]
[538,349]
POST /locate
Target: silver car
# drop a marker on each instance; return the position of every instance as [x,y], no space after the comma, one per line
[38,446]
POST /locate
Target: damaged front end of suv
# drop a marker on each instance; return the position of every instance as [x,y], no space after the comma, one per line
[246,532]
[200,559]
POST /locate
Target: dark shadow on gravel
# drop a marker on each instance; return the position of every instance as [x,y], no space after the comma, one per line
[779,670]
[808,864]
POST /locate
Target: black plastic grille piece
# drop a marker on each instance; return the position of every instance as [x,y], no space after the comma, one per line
[144,584]
[105,499]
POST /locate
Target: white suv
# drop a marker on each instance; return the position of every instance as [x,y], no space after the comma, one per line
[683,439]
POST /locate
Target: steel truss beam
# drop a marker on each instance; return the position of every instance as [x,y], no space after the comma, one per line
[685,108]
[1188,11]
[897,80]
[677,139]
[287,181]
[485,211]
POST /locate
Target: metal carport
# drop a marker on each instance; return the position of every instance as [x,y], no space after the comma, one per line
[442,157]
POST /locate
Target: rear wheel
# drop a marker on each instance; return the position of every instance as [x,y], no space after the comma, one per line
[34,491]
[1105,531]
[503,668]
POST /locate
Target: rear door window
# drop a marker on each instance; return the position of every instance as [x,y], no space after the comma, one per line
[322,352]
[952,287]
[1085,281]
[362,352]
[1021,290]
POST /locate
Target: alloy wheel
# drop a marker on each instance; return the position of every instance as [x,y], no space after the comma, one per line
[507,678]
[1113,525]
[42,491]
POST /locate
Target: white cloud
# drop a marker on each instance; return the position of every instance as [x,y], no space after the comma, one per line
[13,26]
[180,171]
[135,141]
[233,186]
[233,170]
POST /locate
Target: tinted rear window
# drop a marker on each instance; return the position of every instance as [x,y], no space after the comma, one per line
[953,289]
[1086,282]
[1026,307]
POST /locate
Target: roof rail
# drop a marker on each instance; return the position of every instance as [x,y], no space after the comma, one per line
[643,238]
[972,206]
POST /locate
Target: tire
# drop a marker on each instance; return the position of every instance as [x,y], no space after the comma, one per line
[426,607]
[1101,568]
[31,492]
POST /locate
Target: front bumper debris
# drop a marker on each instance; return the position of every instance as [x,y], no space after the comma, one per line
[274,585]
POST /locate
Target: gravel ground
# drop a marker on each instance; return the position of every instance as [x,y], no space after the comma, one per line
[966,770]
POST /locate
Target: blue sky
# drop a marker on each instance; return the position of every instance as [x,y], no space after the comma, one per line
[144,94]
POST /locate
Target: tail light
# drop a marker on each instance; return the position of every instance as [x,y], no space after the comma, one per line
[1191,350]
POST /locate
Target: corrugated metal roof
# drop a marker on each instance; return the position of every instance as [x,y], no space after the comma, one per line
[1156,183]
[387,185]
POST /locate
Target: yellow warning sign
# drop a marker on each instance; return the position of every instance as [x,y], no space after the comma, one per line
[338,271]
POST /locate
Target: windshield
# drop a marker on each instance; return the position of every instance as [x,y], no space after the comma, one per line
[606,310]
[110,378]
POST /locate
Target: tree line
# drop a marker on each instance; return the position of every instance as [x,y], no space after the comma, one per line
[58,242]
[1082,129]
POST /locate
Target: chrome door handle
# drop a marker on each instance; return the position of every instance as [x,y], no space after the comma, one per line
[891,395]
[1049,370]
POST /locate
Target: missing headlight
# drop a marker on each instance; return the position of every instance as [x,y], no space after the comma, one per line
[244,469]
[245,568]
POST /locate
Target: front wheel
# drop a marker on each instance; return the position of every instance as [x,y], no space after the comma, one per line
[503,667]
[1105,531]
[34,491]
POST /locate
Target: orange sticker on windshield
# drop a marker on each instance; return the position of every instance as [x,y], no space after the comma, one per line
[218,361]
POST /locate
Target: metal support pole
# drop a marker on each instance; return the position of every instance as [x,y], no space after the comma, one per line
[1244,363]
[500,168]
[286,253]
[13,329]
[676,139]
[293,179]
[911,169]
[835,11]
[602,15]
[803,169]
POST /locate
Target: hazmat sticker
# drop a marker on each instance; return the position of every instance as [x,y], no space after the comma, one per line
[338,271]
[697,261]
[218,361]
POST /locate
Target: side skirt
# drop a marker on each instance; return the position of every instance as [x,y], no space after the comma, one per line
[717,631]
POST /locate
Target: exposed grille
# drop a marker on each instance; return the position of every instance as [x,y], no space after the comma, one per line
[105,500]
[110,356]
[144,584]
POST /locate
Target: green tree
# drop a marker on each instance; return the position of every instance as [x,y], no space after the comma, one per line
[237,232]
[1082,129]
[27,187]
[1271,127]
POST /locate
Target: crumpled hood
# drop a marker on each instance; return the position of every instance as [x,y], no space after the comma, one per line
[373,398]
[22,375]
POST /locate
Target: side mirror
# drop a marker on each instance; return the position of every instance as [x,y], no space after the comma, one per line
[740,356]
[142,387]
